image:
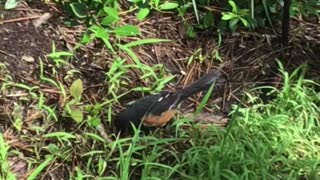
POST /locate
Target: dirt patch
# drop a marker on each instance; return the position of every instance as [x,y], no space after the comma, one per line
[22,44]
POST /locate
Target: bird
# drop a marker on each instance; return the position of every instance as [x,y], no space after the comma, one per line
[157,110]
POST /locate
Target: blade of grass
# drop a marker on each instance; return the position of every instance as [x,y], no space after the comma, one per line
[41,167]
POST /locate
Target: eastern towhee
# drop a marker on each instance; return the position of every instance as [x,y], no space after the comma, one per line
[158,109]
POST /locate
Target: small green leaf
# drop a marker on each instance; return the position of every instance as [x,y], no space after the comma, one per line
[168,6]
[94,121]
[244,22]
[234,6]
[108,20]
[10,4]
[18,116]
[86,39]
[127,30]
[208,20]
[53,148]
[76,89]
[143,12]
[233,24]
[113,16]
[77,115]
[227,16]
[111,12]
[79,9]
[243,12]
[102,33]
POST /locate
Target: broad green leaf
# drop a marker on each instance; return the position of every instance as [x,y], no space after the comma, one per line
[76,89]
[10,4]
[156,3]
[168,6]
[127,30]
[77,115]
[143,12]
[79,9]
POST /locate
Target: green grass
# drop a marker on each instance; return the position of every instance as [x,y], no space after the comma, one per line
[275,140]
[265,141]
[5,172]
[279,139]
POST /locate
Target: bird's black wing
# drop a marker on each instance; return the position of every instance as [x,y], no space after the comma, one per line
[153,105]
[164,102]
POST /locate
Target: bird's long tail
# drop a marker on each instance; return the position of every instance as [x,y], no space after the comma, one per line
[201,84]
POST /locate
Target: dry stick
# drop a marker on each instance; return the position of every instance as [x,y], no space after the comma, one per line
[19,19]
[7,54]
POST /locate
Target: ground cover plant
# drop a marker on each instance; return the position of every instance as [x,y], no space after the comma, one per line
[67,67]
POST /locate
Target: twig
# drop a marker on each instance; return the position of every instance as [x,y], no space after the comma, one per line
[19,19]
[5,53]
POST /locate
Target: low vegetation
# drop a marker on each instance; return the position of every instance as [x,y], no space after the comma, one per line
[54,126]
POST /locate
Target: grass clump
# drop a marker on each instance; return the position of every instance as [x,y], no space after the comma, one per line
[278,139]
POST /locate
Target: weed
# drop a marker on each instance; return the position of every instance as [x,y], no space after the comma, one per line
[235,16]
[58,57]
[5,172]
